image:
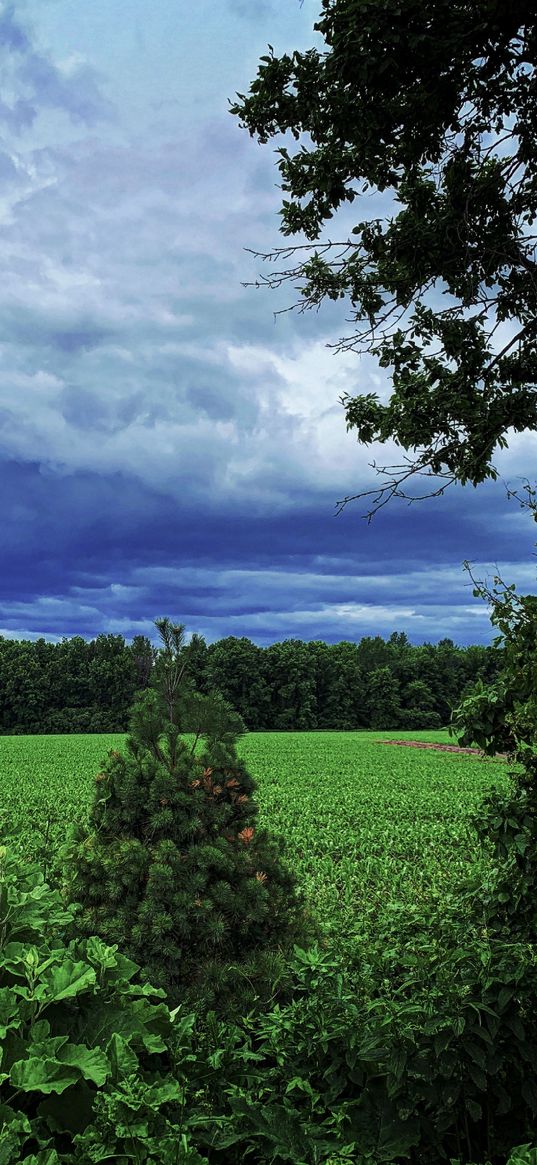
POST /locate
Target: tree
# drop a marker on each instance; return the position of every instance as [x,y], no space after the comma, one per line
[382,697]
[173,866]
[80,686]
[197,661]
[502,716]
[112,681]
[348,690]
[234,667]
[339,688]
[419,710]
[432,104]
[290,673]
[26,693]
[373,652]
[143,656]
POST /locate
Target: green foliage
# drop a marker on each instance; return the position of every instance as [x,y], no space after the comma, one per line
[432,103]
[507,825]
[72,686]
[173,866]
[236,668]
[383,699]
[212,717]
[393,1039]
[503,716]
[483,718]
[171,666]
[76,687]
[427,1052]
[429,1055]
[83,1043]
[523,1155]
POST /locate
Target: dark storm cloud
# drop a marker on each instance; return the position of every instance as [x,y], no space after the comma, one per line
[89,553]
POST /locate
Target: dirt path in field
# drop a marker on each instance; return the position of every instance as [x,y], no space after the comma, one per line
[443,748]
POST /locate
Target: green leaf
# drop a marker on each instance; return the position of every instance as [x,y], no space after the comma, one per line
[477,1052]
[15,1129]
[54,1064]
[12,959]
[474,1109]
[123,1061]
[44,1157]
[42,1075]
[98,952]
[67,980]
[91,1063]
[478,1076]
[9,1011]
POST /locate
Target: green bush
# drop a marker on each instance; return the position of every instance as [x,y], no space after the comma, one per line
[418,719]
[438,1062]
[84,1045]
[173,867]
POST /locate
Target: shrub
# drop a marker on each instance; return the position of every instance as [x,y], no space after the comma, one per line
[173,867]
[434,1058]
[418,719]
[84,1044]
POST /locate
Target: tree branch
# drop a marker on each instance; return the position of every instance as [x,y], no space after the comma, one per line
[392,489]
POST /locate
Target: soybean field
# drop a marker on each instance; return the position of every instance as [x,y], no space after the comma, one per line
[369,827]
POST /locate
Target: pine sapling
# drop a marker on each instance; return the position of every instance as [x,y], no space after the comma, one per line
[172,866]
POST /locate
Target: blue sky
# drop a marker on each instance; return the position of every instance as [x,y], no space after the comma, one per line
[166,445]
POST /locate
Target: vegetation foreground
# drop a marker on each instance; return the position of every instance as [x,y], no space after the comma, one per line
[382,1040]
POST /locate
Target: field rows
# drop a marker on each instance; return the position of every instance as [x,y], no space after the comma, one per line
[368,829]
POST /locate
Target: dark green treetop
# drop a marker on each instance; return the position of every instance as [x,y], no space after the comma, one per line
[434,106]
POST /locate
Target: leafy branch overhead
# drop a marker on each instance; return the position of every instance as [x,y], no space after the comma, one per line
[432,108]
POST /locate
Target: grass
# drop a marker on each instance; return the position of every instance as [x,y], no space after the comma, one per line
[369,829]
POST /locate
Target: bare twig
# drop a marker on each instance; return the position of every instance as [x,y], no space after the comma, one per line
[393,488]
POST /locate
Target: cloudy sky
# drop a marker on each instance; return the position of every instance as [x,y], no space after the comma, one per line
[168,446]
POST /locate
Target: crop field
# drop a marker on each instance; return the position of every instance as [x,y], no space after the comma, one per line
[368,828]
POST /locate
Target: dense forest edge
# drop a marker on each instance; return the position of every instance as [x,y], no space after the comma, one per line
[78,685]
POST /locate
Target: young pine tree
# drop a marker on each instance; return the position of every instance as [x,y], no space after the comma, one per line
[173,867]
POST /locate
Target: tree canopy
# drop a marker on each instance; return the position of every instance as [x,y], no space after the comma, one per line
[433,106]
[75,686]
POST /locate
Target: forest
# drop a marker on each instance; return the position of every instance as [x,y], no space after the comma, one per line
[89,686]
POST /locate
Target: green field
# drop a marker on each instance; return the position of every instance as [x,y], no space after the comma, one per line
[369,828]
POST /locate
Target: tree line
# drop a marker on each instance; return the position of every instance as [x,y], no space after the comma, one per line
[88,686]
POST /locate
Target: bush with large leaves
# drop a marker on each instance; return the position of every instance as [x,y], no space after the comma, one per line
[84,1044]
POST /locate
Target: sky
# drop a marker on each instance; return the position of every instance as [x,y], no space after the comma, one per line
[171,440]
